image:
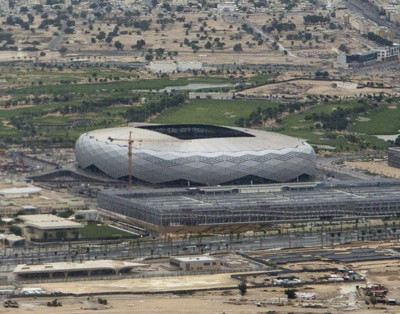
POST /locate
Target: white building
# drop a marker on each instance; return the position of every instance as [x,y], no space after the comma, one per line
[49,227]
[388,53]
[196,263]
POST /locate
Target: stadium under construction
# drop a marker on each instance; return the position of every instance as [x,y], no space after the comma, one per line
[201,209]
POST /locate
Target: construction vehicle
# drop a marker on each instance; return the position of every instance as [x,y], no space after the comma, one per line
[54,303]
[10,303]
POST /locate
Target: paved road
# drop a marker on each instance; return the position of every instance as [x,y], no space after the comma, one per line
[55,42]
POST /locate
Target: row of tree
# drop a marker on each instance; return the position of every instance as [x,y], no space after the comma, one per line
[258,116]
[339,118]
[142,113]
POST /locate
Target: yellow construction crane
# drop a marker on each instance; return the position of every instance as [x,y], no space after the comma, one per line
[130,152]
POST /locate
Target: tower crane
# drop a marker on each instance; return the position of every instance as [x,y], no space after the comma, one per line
[130,142]
[130,153]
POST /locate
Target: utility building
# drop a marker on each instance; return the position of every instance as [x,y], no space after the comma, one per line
[49,227]
[196,263]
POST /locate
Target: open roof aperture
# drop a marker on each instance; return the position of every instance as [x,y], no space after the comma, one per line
[195,131]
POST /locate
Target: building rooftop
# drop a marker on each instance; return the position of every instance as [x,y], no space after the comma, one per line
[197,138]
[48,222]
[25,190]
[259,197]
[75,266]
[195,258]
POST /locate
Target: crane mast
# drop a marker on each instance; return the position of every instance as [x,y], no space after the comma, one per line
[130,153]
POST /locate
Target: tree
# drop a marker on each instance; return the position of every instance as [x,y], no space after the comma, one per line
[344,48]
[140,43]
[101,35]
[63,50]
[118,45]
[237,48]
[159,52]
[16,230]
[291,293]
[242,288]
[397,141]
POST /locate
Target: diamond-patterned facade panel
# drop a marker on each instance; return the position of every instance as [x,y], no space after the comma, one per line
[213,167]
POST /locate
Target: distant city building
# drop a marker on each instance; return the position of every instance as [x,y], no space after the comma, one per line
[196,263]
[394,157]
[357,59]
[49,227]
[388,53]
[228,6]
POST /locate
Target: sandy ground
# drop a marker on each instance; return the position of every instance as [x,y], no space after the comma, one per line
[334,298]
[308,87]
[374,167]
[144,284]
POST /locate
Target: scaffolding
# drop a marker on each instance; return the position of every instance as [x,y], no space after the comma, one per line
[196,206]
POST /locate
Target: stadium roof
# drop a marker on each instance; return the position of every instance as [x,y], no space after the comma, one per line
[149,137]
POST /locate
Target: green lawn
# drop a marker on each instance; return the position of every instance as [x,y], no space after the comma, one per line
[380,121]
[296,125]
[95,232]
[261,78]
[220,112]
[110,86]
[52,120]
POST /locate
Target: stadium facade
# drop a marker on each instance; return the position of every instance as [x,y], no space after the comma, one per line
[196,154]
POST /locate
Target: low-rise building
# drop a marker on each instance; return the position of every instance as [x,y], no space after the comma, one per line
[394,157]
[196,263]
[388,53]
[75,269]
[357,59]
[49,227]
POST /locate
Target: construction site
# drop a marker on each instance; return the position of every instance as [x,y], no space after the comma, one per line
[210,209]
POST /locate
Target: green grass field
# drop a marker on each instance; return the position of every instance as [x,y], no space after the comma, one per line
[96,232]
[296,125]
[379,122]
[220,112]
